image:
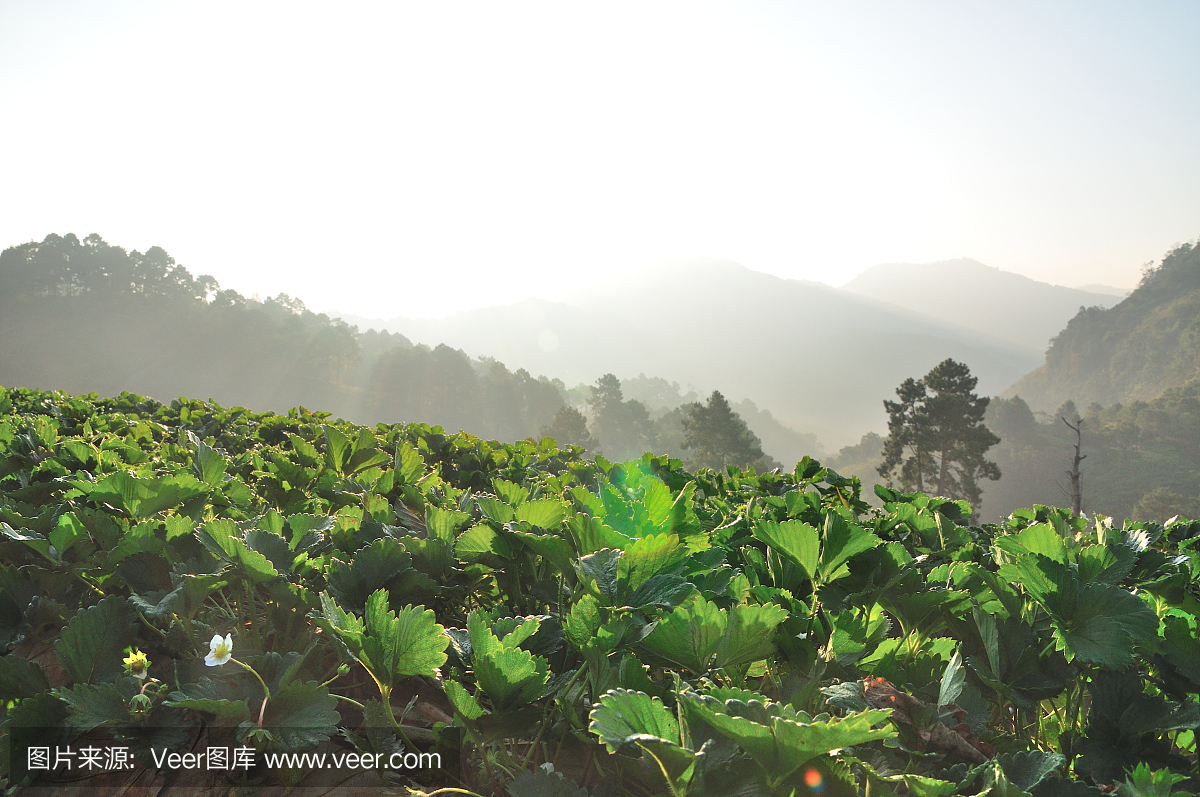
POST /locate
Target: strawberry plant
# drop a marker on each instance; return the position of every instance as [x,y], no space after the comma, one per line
[184,576]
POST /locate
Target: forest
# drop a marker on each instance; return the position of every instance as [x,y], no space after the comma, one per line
[87,316]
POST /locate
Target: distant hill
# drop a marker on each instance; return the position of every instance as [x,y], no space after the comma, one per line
[1134,351]
[88,316]
[820,359]
[999,303]
[1111,290]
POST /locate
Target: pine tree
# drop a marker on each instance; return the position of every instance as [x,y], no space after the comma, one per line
[717,436]
[622,428]
[936,438]
[569,427]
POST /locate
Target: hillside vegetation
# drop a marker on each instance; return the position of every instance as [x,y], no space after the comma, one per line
[1134,451]
[87,316]
[1131,352]
[188,577]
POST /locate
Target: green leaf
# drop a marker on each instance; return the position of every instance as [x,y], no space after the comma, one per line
[1182,645]
[410,466]
[411,641]
[667,591]
[93,705]
[919,786]
[391,645]
[480,540]
[40,722]
[274,547]
[374,566]
[997,784]
[599,571]
[510,676]
[842,541]
[689,635]
[495,509]
[549,546]
[1142,782]
[952,680]
[337,450]
[463,702]
[20,678]
[212,696]
[141,498]
[1028,768]
[989,634]
[511,494]
[544,513]
[622,717]
[749,634]
[365,458]
[1040,539]
[583,621]
[210,463]
[222,538]
[647,557]
[593,535]
[93,644]
[799,742]
[444,524]
[1106,625]
[1049,582]
[797,541]
[780,739]
[68,530]
[30,538]
[541,783]
[302,716]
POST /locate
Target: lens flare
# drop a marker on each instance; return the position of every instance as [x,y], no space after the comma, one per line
[812,779]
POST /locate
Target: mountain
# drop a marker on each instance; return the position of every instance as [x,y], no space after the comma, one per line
[999,303]
[1131,352]
[820,359]
[1111,290]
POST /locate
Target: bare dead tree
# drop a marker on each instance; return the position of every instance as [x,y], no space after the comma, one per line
[1073,474]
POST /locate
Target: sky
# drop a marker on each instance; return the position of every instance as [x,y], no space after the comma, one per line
[416,159]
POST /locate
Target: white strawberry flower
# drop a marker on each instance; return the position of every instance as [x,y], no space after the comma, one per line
[220,650]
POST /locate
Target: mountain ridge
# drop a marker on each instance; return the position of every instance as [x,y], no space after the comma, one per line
[761,337]
[1019,309]
[1134,351]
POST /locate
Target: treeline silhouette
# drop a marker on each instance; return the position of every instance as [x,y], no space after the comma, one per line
[86,316]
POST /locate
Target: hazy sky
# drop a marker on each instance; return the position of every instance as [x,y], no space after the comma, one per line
[414,158]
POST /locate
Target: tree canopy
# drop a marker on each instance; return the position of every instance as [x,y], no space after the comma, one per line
[623,428]
[717,436]
[937,440]
[569,427]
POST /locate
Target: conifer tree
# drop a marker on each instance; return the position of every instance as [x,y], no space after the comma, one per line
[717,436]
[569,427]
[936,438]
[623,428]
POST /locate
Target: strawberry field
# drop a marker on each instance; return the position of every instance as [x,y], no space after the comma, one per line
[520,620]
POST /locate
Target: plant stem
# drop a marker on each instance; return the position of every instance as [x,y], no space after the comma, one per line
[386,694]
[153,628]
[349,700]
[262,710]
